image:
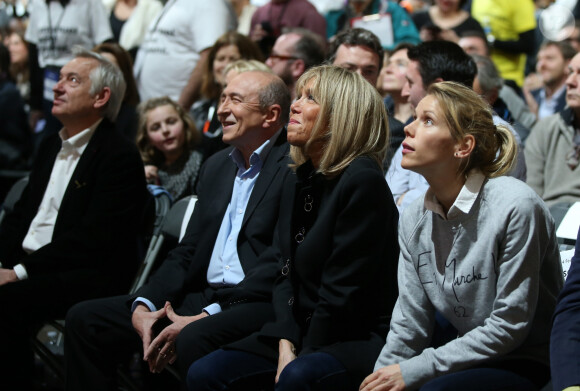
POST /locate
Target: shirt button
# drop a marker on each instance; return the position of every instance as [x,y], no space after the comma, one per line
[227,267]
[291,301]
[240,211]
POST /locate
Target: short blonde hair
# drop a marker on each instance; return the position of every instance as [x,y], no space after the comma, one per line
[150,154]
[466,113]
[352,120]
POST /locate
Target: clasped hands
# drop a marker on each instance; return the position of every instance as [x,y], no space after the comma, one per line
[160,350]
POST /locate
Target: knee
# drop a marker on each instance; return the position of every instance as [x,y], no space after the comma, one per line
[295,376]
[78,316]
[203,374]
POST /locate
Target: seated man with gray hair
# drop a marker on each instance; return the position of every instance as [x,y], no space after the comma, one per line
[74,234]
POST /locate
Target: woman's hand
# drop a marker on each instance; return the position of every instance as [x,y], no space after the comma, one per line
[387,378]
[151,175]
[287,354]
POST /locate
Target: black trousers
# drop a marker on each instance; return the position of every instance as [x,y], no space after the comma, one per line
[99,335]
[25,305]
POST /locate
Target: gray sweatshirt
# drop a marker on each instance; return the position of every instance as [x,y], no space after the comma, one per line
[492,270]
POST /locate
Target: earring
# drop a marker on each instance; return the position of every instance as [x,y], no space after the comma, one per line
[456,154]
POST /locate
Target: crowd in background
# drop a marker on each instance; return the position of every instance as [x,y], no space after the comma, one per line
[164,50]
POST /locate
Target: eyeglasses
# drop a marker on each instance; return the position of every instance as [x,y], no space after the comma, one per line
[280,57]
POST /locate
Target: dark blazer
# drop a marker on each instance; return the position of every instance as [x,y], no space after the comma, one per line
[99,220]
[565,339]
[560,103]
[183,274]
[337,287]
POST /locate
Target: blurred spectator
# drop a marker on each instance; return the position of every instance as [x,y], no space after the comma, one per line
[552,67]
[360,51]
[293,53]
[15,137]
[473,42]
[172,56]
[269,20]
[228,48]
[393,79]
[402,26]
[168,142]
[509,27]
[488,83]
[244,10]
[399,109]
[19,63]
[445,19]
[574,38]
[553,148]
[126,122]
[130,19]
[54,28]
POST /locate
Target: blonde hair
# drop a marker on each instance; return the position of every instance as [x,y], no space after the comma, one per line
[466,113]
[352,120]
[149,153]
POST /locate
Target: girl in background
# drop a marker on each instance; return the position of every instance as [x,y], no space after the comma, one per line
[167,139]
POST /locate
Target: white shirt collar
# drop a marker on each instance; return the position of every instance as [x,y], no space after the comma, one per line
[79,141]
[464,200]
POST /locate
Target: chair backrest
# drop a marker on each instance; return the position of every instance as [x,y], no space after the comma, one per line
[170,228]
[178,218]
[12,197]
[162,206]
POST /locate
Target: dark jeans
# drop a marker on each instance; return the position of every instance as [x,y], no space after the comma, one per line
[487,379]
[236,370]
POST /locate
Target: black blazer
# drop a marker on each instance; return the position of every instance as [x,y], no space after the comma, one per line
[184,271]
[98,223]
[565,339]
[337,287]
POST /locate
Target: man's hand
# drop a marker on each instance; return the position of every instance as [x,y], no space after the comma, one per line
[162,350]
[7,276]
[143,320]
[388,378]
[287,354]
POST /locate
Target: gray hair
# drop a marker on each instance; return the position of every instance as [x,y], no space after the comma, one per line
[106,74]
[487,74]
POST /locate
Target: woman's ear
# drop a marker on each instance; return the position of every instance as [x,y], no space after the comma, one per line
[465,147]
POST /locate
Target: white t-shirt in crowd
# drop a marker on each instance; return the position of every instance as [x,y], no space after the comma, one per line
[55,29]
[173,42]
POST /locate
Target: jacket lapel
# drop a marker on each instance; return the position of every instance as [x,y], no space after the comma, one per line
[267,174]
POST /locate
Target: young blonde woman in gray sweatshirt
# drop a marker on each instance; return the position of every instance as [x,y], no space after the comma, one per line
[479,251]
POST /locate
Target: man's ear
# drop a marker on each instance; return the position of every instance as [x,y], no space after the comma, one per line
[298,68]
[272,116]
[465,147]
[102,98]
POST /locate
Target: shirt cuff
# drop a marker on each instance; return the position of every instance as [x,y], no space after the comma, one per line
[213,309]
[20,271]
[142,300]
[573,388]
